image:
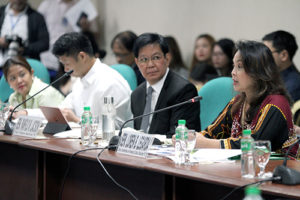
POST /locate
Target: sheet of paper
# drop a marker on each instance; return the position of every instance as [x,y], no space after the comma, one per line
[215,155]
[74,133]
[83,6]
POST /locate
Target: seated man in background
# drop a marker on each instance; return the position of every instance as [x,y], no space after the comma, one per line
[122,45]
[97,80]
[162,88]
[283,47]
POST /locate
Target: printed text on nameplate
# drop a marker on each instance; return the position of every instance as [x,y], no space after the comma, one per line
[27,126]
[135,143]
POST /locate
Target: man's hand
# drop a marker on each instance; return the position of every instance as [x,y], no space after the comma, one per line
[70,115]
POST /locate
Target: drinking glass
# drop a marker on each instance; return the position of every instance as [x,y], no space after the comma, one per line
[190,145]
[262,152]
[93,131]
[4,110]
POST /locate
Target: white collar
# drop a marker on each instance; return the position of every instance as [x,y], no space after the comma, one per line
[89,78]
[158,86]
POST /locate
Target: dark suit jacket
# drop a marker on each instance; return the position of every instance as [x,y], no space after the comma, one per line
[175,90]
[38,36]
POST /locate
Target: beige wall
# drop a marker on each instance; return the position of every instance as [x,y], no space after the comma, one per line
[185,19]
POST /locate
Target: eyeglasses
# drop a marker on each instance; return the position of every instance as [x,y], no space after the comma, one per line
[145,60]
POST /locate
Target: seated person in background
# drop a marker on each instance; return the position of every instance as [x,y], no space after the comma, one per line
[162,88]
[20,78]
[283,47]
[176,63]
[263,104]
[19,20]
[202,53]
[201,74]
[97,80]
[222,56]
[122,45]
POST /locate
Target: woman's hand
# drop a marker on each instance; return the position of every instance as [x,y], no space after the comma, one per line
[70,115]
[203,142]
[16,114]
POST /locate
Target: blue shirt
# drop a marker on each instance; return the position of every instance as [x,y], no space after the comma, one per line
[291,78]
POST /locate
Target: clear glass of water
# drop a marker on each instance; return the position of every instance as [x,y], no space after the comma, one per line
[262,152]
[190,145]
[4,110]
[93,131]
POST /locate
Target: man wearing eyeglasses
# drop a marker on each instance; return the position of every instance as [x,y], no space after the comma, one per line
[283,47]
[162,88]
[122,45]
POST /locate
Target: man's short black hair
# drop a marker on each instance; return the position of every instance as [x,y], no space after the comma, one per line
[282,40]
[70,44]
[150,38]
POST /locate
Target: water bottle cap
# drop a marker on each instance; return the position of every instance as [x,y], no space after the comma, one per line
[247,132]
[108,100]
[182,122]
[252,190]
[86,108]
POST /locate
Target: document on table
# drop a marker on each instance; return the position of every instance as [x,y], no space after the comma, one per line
[198,155]
[215,155]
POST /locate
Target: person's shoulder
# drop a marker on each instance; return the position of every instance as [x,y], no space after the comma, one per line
[140,89]
[277,100]
[176,80]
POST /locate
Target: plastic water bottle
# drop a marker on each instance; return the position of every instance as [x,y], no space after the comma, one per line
[108,118]
[180,142]
[247,160]
[252,193]
[86,121]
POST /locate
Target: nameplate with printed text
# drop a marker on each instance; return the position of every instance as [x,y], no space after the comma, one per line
[27,126]
[135,143]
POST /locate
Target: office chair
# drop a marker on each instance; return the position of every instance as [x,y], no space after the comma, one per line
[128,73]
[216,94]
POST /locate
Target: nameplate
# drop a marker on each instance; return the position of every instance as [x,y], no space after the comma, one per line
[135,143]
[27,126]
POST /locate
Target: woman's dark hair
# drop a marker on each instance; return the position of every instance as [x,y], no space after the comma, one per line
[203,72]
[228,47]
[176,61]
[211,41]
[16,60]
[259,64]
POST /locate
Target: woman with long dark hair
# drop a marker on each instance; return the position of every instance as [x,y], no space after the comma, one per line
[263,104]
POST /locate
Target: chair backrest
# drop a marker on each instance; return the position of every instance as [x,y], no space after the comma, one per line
[128,73]
[296,113]
[40,71]
[215,94]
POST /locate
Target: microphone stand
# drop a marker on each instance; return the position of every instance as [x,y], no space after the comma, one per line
[113,143]
[9,125]
[287,175]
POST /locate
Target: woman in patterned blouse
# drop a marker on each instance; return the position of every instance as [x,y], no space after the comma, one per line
[262,105]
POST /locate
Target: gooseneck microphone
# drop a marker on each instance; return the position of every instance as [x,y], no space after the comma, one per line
[287,175]
[115,139]
[9,125]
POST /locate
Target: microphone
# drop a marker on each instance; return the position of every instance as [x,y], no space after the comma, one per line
[287,175]
[113,143]
[9,125]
